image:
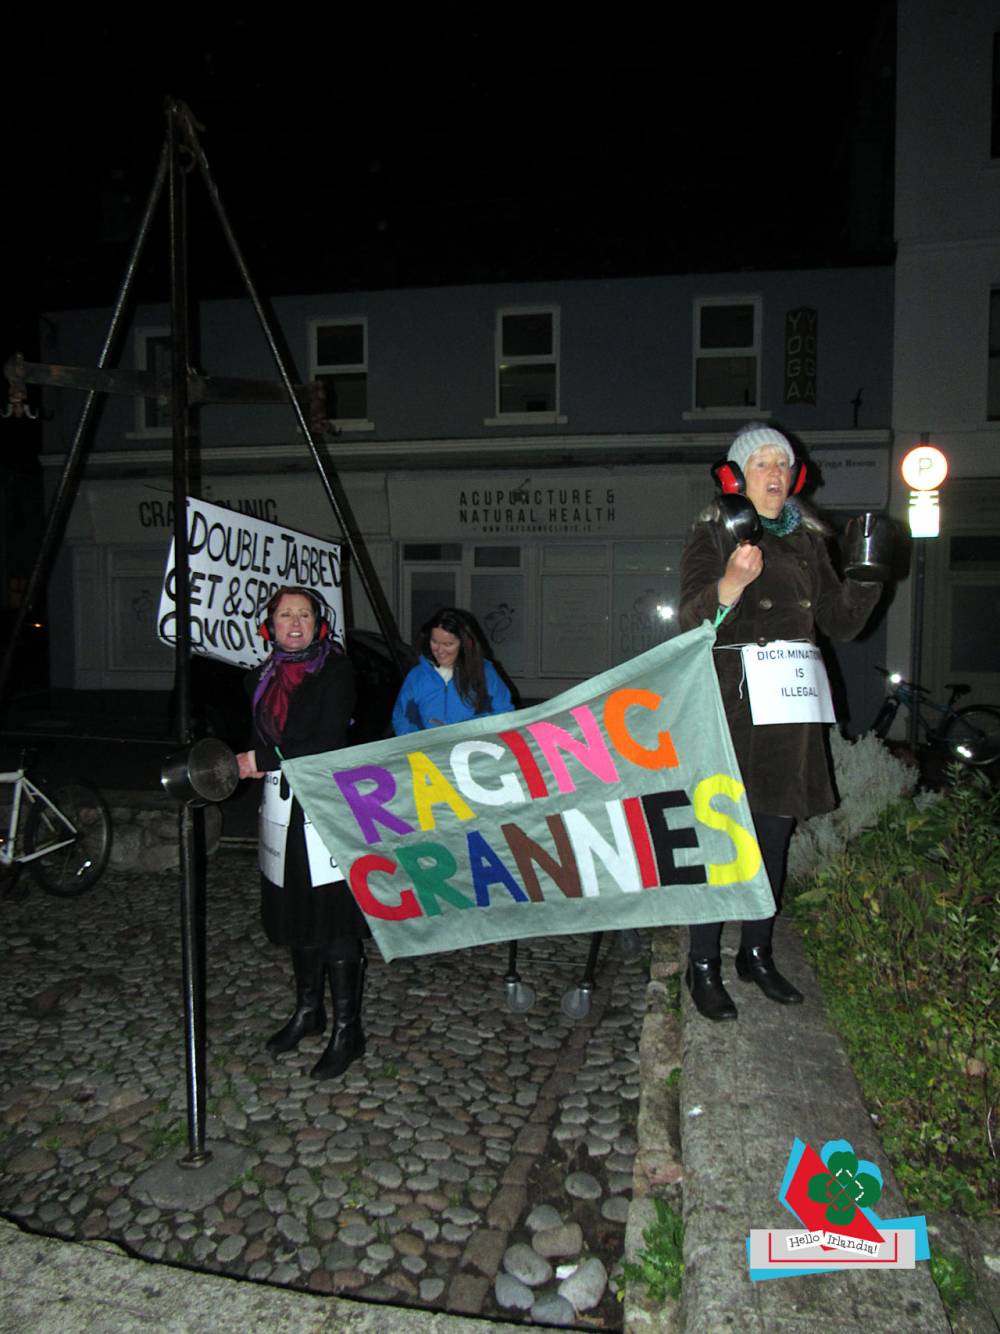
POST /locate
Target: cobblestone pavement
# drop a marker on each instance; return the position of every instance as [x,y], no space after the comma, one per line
[474,1157]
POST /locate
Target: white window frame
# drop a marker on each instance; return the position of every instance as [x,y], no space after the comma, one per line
[143,336]
[317,368]
[729,411]
[550,418]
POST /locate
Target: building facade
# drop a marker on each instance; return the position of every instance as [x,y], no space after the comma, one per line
[534,452]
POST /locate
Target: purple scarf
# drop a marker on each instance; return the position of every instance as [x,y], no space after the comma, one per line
[281,677]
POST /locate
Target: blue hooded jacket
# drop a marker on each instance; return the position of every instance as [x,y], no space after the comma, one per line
[426,700]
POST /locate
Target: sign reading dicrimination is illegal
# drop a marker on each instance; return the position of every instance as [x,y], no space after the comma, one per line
[235,563]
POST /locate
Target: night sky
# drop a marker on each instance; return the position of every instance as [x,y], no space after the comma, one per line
[350,158]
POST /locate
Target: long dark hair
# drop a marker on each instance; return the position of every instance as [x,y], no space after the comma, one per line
[470,673]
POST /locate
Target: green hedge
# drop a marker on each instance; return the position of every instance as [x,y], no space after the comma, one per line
[903,928]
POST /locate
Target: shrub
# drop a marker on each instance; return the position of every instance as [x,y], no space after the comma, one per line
[903,926]
[869,778]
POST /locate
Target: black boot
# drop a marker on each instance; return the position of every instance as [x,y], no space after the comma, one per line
[755,964]
[309,1017]
[704,981]
[347,1043]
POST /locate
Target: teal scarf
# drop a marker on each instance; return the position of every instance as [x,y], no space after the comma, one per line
[786,522]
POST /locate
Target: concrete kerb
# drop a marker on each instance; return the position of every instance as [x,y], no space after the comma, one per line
[48,1286]
[658,1168]
[747,1090]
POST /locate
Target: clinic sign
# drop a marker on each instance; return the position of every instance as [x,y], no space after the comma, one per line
[503,504]
[924,468]
[235,563]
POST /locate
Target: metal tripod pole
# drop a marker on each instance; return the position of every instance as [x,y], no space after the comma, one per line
[338,502]
[190,821]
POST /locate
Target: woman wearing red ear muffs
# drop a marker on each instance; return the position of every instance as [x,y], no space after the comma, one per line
[303,700]
[774,592]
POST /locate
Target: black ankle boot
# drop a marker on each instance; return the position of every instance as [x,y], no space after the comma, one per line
[704,981]
[309,1017]
[756,965]
[347,1043]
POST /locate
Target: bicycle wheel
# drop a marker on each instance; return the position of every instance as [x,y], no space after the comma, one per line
[973,735]
[78,866]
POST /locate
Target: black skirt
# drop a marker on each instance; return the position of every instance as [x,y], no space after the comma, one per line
[300,915]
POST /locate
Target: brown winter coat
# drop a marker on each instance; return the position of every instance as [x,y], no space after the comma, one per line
[785,766]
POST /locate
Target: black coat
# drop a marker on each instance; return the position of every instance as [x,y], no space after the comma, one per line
[785,766]
[296,913]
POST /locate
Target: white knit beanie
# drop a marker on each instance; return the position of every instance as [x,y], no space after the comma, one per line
[753,438]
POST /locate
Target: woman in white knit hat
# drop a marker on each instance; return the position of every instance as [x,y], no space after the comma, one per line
[778,591]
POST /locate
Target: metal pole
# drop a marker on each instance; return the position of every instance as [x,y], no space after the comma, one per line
[917,630]
[70,479]
[917,621]
[189,821]
[369,579]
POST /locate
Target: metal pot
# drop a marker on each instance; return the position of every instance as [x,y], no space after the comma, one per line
[205,772]
[867,545]
[739,518]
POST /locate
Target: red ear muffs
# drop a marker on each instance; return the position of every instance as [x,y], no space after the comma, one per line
[731,482]
[729,478]
[324,630]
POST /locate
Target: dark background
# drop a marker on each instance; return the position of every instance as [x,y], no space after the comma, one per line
[352,154]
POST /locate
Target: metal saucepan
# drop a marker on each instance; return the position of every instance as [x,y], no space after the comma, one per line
[739,518]
[205,772]
[867,545]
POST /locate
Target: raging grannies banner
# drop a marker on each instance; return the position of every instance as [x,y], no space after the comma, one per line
[618,804]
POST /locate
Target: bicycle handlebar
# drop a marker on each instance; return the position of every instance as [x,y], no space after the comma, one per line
[907,685]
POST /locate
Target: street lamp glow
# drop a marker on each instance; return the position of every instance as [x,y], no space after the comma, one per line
[924,468]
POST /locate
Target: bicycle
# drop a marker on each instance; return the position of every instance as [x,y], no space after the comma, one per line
[970,735]
[63,839]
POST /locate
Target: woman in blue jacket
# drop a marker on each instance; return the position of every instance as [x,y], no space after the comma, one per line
[452,682]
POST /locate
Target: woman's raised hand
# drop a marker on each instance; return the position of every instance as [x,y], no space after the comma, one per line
[742,568]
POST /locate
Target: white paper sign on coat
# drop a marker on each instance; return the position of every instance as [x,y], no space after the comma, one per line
[272,840]
[323,868]
[272,831]
[235,563]
[787,682]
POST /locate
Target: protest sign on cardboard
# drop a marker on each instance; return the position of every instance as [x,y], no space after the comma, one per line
[236,562]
